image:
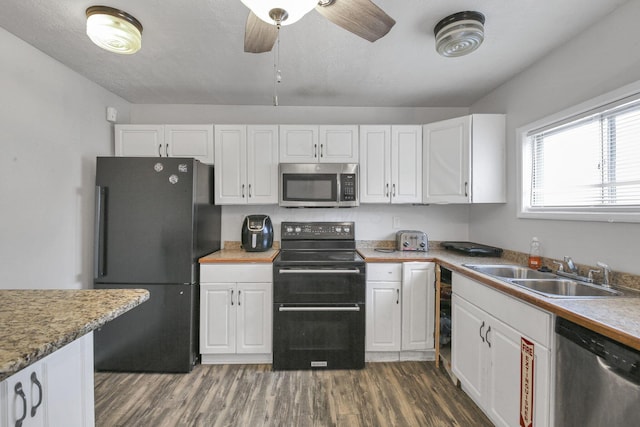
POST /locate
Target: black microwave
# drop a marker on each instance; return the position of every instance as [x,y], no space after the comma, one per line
[318,185]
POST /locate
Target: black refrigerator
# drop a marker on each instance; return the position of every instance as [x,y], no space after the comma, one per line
[155,217]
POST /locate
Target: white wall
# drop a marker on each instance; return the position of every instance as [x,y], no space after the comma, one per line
[604,58]
[52,126]
[373,222]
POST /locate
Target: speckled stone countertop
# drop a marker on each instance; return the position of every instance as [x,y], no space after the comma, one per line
[34,323]
[615,317]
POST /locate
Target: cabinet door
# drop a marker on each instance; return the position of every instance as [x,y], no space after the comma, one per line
[446,162]
[262,164]
[375,164]
[503,382]
[140,141]
[17,403]
[383,316]
[231,168]
[218,318]
[298,144]
[254,317]
[418,305]
[468,326]
[406,164]
[504,378]
[190,141]
[68,379]
[338,144]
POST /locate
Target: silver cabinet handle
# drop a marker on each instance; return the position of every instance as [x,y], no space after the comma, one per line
[231,296]
[397,296]
[466,189]
[486,336]
[316,271]
[387,190]
[160,150]
[481,328]
[321,149]
[20,392]
[250,191]
[239,294]
[394,190]
[34,380]
[315,150]
[307,309]
[243,191]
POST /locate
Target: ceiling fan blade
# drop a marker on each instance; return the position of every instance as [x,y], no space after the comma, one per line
[258,35]
[361,17]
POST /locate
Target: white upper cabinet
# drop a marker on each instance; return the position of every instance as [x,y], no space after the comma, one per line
[464,160]
[190,141]
[390,164]
[318,144]
[247,168]
[139,140]
[165,141]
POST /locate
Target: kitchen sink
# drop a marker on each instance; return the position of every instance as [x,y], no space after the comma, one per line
[509,271]
[547,284]
[565,288]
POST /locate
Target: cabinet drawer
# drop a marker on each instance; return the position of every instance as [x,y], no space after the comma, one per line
[236,273]
[525,318]
[384,272]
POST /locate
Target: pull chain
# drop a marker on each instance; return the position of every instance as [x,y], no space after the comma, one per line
[277,74]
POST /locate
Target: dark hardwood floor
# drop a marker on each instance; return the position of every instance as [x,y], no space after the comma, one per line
[382,394]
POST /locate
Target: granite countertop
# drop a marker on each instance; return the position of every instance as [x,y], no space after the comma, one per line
[616,317]
[34,323]
[237,255]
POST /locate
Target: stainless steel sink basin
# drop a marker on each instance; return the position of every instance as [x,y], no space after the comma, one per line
[565,288]
[507,271]
[547,284]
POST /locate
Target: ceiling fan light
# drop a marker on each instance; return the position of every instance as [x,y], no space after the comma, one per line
[114,30]
[459,34]
[295,9]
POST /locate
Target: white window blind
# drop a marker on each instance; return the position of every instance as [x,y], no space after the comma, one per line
[588,162]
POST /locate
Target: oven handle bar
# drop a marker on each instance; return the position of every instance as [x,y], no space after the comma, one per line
[355,308]
[321,271]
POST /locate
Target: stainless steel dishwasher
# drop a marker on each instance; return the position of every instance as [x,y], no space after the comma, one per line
[597,379]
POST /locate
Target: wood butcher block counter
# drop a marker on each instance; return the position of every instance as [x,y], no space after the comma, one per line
[35,323]
[239,256]
[615,317]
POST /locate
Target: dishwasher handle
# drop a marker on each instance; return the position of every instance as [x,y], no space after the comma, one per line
[616,357]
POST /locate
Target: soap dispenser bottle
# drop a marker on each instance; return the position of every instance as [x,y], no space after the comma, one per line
[535,261]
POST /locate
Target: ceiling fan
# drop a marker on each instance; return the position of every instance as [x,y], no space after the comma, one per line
[361,17]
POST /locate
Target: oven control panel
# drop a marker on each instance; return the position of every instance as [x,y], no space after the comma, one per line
[318,230]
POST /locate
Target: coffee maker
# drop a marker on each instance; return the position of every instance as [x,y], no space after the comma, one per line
[257,233]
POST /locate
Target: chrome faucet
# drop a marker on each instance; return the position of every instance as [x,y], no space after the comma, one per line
[570,265]
[606,270]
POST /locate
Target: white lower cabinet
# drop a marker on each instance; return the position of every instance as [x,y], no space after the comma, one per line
[57,390]
[236,313]
[400,311]
[488,337]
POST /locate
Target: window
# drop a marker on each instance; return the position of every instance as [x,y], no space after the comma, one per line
[586,166]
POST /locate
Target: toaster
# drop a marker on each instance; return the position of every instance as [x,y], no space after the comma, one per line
[411,240]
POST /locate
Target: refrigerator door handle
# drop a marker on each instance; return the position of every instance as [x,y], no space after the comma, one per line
[99,261]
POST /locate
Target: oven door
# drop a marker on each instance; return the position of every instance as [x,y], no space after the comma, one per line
[320,284]
[318,336]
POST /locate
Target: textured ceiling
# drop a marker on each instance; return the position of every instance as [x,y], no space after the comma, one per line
[193,51]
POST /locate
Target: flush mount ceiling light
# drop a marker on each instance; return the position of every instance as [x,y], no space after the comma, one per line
[459,34]
[281,12]
[114,30]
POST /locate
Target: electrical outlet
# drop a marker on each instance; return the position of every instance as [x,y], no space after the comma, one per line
[396,222]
